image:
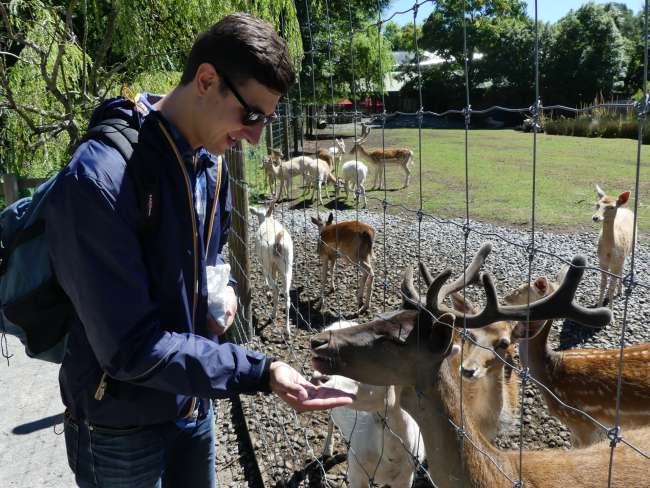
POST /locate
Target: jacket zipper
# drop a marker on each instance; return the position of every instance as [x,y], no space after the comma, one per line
[101,388]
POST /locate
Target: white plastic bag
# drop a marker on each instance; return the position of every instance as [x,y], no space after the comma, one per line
[217,281]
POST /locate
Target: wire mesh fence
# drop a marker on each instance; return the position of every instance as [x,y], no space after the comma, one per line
[290,449]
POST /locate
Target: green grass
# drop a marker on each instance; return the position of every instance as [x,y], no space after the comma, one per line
[501,176]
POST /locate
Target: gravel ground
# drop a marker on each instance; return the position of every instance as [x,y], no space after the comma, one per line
[288,446]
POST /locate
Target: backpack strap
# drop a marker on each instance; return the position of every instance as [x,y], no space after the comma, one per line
[118,134]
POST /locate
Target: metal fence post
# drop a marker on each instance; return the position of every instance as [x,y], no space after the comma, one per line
[238,242]
[285,131]
[268,131]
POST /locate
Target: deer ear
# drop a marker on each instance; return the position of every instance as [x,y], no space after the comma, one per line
[462,304]
[440,338]
[600,192]
[523,330]
[623,198]
[317,221]
[541,284]
[330,219]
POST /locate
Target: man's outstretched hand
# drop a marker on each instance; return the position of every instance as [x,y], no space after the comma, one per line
[300,394]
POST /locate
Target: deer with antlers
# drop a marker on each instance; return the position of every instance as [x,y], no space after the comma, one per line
[408,348]
[490,389]
[581,378]
[380,159]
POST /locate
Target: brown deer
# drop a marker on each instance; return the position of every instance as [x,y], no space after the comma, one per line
[352,240]
[379,159]
[490,389]
[585,379]
[614,240]
[408,348]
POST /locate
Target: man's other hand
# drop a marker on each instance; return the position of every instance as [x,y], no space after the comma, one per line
[230,309]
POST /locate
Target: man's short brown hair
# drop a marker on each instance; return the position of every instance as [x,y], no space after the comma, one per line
[241,47]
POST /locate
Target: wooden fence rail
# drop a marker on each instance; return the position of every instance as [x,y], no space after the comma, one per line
[12,185]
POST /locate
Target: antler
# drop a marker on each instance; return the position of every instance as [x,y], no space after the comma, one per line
[471,276]
[559,304]
[365,132]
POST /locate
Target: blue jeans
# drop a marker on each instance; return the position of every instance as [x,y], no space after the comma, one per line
[169,455]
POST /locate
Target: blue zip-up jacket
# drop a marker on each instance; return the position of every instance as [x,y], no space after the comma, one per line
[141,300]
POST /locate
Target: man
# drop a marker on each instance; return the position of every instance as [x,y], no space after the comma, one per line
[141,363]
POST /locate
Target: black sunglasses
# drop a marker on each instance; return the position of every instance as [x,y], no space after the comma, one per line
[252,117]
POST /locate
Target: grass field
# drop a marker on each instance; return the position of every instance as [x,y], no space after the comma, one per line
[500,175]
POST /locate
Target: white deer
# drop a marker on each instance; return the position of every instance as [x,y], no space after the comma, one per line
[285,171]
[383,439]
[274,247]
[354,178]
[614,240]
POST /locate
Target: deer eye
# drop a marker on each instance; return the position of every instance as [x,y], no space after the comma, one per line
[503,344]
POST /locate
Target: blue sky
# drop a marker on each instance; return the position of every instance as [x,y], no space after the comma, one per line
[547,10]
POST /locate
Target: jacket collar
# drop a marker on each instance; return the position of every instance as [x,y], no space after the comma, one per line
[145,103]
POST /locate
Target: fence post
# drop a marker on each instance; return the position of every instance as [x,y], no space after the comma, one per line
[285,131]
[297,128]
[268,131]
[238,241]
[10,187]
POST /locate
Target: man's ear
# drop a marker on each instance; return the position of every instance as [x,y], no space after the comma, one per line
[205,77]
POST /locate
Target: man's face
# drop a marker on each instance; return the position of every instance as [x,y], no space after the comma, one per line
[219,117]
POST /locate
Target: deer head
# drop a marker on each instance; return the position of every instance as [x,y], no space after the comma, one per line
[487,348]
[607,206]
[365,132]
[263,213]
[406,347]
[318,222]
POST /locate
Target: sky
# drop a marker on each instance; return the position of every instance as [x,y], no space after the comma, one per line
[547,10]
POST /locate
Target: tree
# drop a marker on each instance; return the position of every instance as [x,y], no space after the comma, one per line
[588,57]
[402,38]
[509,60]
[443,33]
[60,59]
[344,55]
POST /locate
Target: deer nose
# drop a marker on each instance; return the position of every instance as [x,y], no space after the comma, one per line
[467,373]
[317,342]
[595,218]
